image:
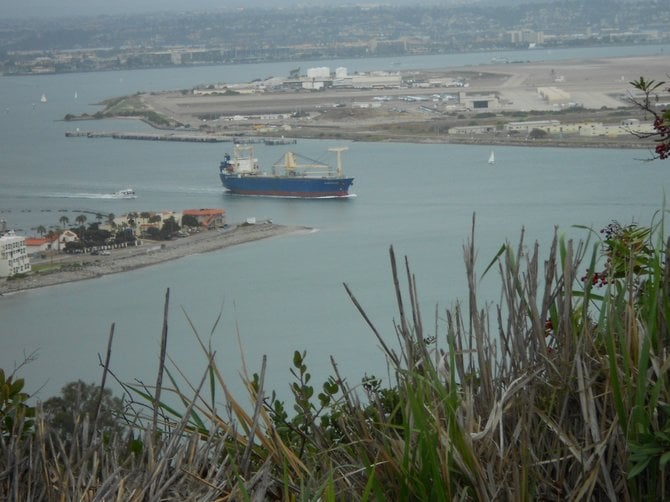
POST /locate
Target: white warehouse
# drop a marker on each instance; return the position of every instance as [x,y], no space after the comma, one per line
[322,72]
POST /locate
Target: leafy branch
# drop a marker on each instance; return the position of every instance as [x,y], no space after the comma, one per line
[649,102]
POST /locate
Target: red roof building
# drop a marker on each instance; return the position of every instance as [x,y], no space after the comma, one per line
[208,218]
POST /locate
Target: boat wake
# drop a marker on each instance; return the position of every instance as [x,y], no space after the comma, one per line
[82,196]
[299,197]
[85,195]
[348,196]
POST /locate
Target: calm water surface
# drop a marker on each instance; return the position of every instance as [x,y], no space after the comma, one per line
[286,293]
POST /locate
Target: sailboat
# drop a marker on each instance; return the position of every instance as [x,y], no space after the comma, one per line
[492,158]
[43,99]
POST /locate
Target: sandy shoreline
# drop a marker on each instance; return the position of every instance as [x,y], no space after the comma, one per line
[82,267]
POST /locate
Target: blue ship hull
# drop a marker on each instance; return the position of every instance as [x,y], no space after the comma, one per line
[286,186]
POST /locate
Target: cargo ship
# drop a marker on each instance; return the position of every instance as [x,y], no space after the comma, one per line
[241,174]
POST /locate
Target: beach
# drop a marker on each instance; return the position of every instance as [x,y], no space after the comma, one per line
[77,267]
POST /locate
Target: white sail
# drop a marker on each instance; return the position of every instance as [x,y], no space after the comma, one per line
[492,158]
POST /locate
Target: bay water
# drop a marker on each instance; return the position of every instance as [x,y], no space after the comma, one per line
[282,294]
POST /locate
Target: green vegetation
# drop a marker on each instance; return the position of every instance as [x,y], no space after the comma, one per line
[79,400]
[16,417]
[485,115]
[45,268]
[188,220]
[93,237]
[168,229]
[559,392]
[16,277]
[564,396]
[660,116]
[128,106]
[538,134]
[124,105]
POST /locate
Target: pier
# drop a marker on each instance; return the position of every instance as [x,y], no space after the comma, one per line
[195,138]
[280,141]
[149,136]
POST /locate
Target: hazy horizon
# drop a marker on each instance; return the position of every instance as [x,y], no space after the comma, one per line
[75,8]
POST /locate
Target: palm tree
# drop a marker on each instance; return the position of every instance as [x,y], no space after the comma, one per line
[98,216]
[64,220]
[81,219]
[110,219]
[41,230]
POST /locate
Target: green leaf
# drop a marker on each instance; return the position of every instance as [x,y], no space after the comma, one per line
[500,252]
[330,388]
[17,386]
[136,446]
[665,458]
[639,467]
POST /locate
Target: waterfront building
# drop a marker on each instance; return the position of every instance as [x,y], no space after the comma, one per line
[13,254]
[65,237]
[38,245]
[208,218]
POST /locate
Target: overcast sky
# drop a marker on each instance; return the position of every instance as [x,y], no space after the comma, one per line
[67,8]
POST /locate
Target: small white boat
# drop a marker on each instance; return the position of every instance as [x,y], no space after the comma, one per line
[126,193]
[492,158]
[43,99]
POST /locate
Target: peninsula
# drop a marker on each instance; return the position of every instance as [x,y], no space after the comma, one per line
[547,103]
[65,268]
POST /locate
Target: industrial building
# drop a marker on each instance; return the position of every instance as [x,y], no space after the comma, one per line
[478,101]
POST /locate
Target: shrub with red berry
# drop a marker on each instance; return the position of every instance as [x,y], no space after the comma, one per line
[626,249]
[661,116]
[662,127]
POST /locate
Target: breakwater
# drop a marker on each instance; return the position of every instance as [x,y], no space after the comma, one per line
[149,136]
[196,138]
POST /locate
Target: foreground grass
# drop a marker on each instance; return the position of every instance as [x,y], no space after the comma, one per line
[560,392]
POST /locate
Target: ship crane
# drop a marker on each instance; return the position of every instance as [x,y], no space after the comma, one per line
[338,151]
